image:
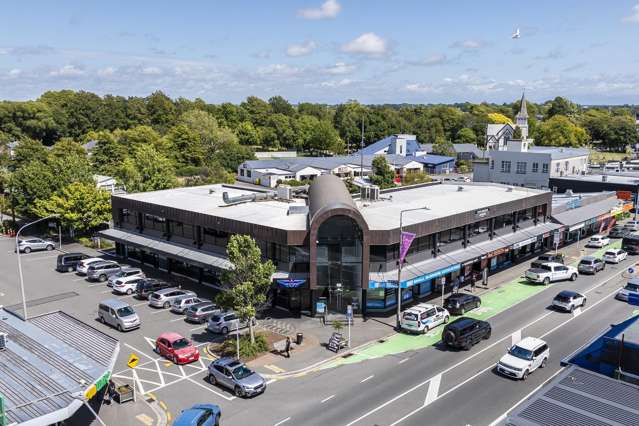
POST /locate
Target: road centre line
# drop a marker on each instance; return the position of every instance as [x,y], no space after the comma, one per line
[454,388]
[368,378]
[507,336]
[327,399]
[282,421]
[403,360]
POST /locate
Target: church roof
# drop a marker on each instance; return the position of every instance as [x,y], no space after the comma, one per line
[523,110]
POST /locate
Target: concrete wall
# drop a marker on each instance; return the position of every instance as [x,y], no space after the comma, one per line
[530,179]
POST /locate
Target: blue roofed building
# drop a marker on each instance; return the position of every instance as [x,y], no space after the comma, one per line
[436,164]
[401,144]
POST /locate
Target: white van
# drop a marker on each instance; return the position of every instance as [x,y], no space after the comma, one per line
[421,318]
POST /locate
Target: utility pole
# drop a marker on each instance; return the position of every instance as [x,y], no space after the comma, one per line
[361,154]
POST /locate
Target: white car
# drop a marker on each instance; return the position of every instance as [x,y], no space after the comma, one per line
[127,285]
[614,255]
[630,290]
[568,300]
[598,241]
[126,271]
[524,358]
[421,318]
[83,265]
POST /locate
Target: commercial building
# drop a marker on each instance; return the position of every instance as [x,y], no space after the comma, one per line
[331,248]
[50,365]
[595,182]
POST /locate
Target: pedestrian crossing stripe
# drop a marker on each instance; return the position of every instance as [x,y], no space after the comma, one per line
[275,368]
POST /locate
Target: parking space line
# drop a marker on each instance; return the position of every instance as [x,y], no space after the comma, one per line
[176,320]
[138,304]
[96,285]
[160,311]
[327,399]
[228,398]
[107,291]
[79,279]
[141,352]
[368,378]
[32,259]
[282,421]
[198,328]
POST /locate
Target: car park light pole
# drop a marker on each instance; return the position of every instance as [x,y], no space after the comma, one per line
[24,298]
[401,260]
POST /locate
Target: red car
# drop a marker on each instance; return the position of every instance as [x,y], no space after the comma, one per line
[176,348]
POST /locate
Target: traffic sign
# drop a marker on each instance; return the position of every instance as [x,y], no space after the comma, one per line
[133,360]
[349,312]
[631,270]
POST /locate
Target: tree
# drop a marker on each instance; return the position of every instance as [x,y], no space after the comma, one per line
[466,135]
[279,105]
[247,134]
[248,282]
[161,110]
[517,135]
[324,137]
[560,131]
[383,174]
[232,156]
[28,150]
[108,153]
[561,106]
[186,146]
[497,118]
[67,146]
[258,110]
[32,181]
[443,147]
[148,170]
[80,206]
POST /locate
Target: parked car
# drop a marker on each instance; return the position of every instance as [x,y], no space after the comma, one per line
[176,348]
[551,272]
[233,374]
[460,303]
[546,258]
[181,304]
[632,225]
[465,332]
[615,255]
[68,262]
[101,271]
[524,358]
[35,244]
[163,298]
[568,300]
[421,318]
[617,231]
[199,415]
[148,286]
[118,314]
[598,241]
[201,312]
[225,322]
[126,271]
[83,265]
[127,285]
[590,265]
[631,289]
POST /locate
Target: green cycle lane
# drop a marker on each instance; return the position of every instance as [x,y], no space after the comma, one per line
[492,303]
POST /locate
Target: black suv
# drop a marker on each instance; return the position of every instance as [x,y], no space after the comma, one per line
[617,232]
[148,286]
[68,262]
[465,332]
[460,303]
[545,258]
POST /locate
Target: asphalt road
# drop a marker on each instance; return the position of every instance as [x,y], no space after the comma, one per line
[431,386]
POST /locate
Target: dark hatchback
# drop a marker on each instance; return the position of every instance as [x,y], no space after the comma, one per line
[68,262]
[148,286]
[460,303]
[617,232]
[464,332]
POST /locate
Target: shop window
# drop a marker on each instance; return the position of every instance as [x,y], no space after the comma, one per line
[535,167]
[521,167]
[544,168]
[375,298]
[505,166]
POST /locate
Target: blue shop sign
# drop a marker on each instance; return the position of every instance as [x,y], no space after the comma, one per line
[414,281]
[291,283]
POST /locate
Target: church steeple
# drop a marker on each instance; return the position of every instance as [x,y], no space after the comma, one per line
[521,119]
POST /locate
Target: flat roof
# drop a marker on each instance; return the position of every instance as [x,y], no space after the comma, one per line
[442,200]
[627,179]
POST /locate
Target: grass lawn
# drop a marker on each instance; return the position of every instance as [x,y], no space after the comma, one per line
[597,157]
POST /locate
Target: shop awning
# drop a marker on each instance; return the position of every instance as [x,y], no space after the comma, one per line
[167,248]
[587,212]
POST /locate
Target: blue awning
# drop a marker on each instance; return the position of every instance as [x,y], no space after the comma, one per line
[416,280]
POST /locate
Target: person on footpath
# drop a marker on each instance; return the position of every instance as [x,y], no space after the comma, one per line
[287,348]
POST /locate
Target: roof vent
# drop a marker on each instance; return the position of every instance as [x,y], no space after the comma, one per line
[369,193]
[510,189]
[460,188]
[3,341]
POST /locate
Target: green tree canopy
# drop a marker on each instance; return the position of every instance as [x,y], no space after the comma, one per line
[444,147]
[383,174]
[147,170]
[560,131]
[466,135]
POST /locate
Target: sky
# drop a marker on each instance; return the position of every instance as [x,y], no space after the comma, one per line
[328,51]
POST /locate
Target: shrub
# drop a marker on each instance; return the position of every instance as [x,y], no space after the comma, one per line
[413,178]
[247,350]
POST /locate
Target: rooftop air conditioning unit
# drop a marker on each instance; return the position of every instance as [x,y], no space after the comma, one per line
[569,193]
[370,192]
[284,192]
[3,341]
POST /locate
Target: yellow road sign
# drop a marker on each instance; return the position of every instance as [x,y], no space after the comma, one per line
[133,360]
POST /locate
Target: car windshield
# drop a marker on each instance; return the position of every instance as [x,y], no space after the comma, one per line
[586,262]
[181,343]
[562,298]
[410,316]
[125,312]
[632,287]
[241,372]
[216,318]
[521,353]
[610,253]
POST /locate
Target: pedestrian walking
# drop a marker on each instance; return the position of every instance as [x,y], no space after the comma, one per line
[287,348]
[110,393]
[473,282]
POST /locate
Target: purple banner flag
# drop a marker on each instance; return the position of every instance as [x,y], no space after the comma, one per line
[406,240]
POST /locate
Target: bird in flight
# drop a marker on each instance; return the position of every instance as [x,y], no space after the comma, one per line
[516,34]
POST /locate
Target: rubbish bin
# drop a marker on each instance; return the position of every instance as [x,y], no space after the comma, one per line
[299,339]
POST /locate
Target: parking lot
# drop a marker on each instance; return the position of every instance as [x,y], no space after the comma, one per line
[48,290]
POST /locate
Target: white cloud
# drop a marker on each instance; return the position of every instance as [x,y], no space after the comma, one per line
[468,44]
[340,68]
[421,88]
[367,44]
[278,70]
[106,72]
[302,49]
[633,18]
[15,72]
[438,59]
[67,71]
[151,71]
[328,10]
[336,83]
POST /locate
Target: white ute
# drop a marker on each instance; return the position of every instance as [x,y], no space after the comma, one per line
[551,272]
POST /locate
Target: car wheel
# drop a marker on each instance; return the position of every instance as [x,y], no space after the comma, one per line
[212,379]
[583,303]
[573,277]
[102,278]
[49,247]
[446,318]
[129,292]
[69,268]
[102,320]
[525,375]
[238,391]
[467,345]
[225,330]
[543,363]
[166,305]
[27,250]
[572,308]
[478,304]
[462,310]
[546,281]
[157,349]
[119,327]
[449,337]
[217,420]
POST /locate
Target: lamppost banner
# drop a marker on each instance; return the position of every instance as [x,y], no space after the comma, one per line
[406,240]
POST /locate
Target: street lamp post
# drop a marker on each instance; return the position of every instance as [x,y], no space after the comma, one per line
[399,268]
[24,298]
